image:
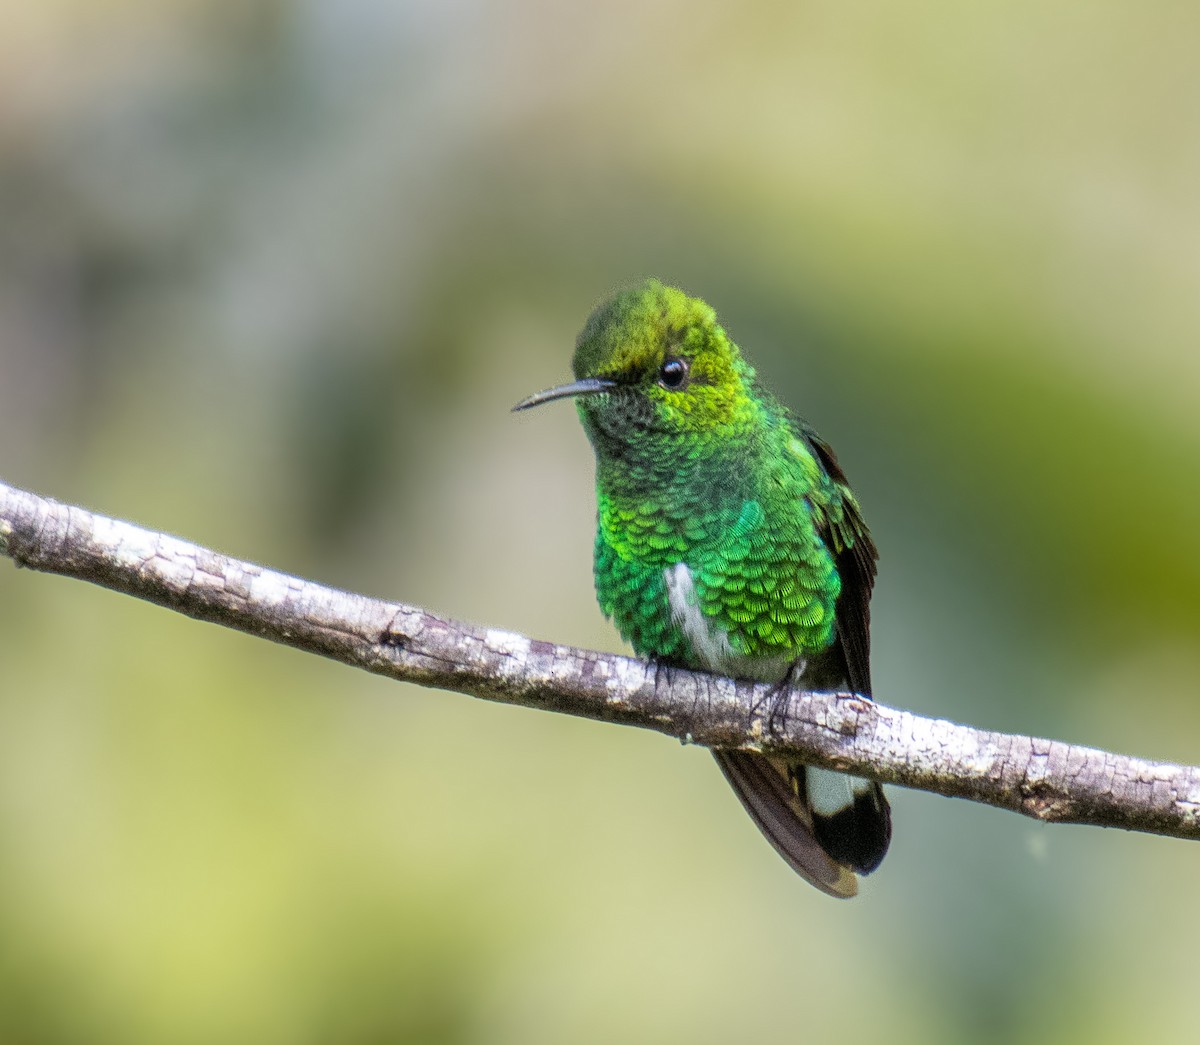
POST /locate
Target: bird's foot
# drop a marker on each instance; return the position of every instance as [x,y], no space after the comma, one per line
[779,700]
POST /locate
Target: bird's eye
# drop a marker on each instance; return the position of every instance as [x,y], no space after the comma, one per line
[673,373]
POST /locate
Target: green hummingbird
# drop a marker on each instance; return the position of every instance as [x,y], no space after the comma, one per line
[728,540]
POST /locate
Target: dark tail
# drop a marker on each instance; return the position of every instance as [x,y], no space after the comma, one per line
[826,825]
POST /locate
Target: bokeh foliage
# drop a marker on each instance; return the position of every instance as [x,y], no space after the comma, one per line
[271,275]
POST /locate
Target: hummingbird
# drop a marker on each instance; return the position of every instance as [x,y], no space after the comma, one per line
[728,540]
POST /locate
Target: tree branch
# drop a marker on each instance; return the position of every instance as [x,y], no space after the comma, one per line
[1044,779]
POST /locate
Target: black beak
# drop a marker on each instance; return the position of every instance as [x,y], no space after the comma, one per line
[588,386]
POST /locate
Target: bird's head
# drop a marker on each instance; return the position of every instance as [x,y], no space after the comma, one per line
[653,364]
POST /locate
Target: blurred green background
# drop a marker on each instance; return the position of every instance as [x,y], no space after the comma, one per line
[271,276]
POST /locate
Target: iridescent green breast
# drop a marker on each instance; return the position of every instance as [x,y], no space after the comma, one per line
[757,583]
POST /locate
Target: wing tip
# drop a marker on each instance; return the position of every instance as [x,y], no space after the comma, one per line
[781,816]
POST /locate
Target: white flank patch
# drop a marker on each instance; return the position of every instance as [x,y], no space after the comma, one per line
[710,643]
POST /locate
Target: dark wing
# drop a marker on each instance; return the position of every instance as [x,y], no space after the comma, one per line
[855,555]
[859,833]
[825,839]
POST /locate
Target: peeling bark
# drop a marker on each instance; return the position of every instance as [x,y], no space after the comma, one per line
[1044,779]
